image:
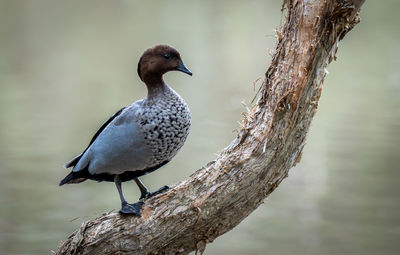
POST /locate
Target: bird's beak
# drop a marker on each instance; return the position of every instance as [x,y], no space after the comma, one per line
[181,67]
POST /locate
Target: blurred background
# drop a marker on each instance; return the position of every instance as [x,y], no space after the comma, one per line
[66,66]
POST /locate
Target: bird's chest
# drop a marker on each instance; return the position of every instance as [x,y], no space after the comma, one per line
[165,127]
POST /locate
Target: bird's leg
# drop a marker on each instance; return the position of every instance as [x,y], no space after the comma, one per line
[126,208]
[144,191]
[117,182]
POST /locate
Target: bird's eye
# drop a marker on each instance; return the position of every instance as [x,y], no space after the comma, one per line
[167,56]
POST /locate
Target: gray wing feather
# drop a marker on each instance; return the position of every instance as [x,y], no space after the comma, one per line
[76,159]
[118,148]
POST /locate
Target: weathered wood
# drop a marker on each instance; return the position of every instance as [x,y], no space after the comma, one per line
[271,138]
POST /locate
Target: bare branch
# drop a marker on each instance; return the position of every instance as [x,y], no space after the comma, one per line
[216,198]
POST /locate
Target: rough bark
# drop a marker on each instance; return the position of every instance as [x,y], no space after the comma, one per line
[216,198]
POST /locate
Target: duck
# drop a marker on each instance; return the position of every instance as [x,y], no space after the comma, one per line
[139,138]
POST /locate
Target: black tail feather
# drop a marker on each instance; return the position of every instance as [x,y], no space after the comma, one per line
[83,175]
[73,177]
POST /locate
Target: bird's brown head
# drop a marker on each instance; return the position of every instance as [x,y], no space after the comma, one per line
[158,60]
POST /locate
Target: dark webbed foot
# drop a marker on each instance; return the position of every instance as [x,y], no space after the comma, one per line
[150,194]
[131,209]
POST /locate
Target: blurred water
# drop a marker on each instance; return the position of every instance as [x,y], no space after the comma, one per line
[66,66]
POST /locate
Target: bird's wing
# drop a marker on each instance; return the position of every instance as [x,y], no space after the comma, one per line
[75,160]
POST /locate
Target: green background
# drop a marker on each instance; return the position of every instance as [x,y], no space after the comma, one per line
[66,66]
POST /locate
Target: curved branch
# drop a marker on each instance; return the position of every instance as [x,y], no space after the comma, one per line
[219,196]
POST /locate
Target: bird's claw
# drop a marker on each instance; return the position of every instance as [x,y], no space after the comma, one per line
[150,194]
[131,209]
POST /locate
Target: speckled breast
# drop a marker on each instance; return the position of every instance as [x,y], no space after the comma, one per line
[165,123]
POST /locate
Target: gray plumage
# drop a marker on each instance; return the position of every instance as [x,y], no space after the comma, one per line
[143,135]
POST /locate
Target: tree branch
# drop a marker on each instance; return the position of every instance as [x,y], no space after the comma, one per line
[216,198]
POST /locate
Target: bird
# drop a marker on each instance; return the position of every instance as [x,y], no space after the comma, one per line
[140,138]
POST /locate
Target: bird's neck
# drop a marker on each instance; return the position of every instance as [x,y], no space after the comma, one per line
[156,89]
